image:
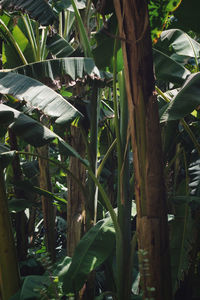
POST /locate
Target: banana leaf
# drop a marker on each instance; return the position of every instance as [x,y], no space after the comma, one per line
[92,250]
[179,42]
[38,96]
[33,133]
[167,69]
[65,70]
[39,10]
[185,101]
[58,46]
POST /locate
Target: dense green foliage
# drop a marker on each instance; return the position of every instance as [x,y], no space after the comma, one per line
[63,67]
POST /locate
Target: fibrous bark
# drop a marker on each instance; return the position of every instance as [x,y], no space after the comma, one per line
[75,197]
[9,273]
[20,217]
[152,227]
[47,206]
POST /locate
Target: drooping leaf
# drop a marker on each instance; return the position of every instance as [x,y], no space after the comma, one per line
[66,4]
[38,96]
[32,285]
[39,10]
[92,250]
[27,128]
[179,44]
[185,101]
[58,46]
[27,186]
[67,70]
[35,134]
[168,69]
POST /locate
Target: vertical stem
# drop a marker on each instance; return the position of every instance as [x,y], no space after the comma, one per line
[38,41]
[9,273]
[20,217]
[93,190]
[30,33]
[152,227]
[76,198]
[43,42]
[47,206]
[60,31]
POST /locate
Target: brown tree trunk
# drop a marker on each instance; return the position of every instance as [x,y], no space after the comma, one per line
[47,207]
[152,226]
[76,199]
[20,217]
[9,273]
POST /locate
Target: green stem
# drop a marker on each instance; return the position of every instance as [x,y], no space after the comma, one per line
[30,33]
[43,42]
[107,203]
[100,168]
[94,117]
[116,118]
[14,43]
[38,57]
[66,14]
[60,30]
[83,34]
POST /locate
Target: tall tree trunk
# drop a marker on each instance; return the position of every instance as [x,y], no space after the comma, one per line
[47,207]
[76,199]
[20,217]
[152,226]
[9,273]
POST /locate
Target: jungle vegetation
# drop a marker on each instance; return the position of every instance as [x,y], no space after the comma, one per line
[99,149]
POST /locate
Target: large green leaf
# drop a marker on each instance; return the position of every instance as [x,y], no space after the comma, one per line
[38,9]
[38,96]
[92,250]
[32,285]
[185,101]
[168,69]
[67,4]
[27,128]
[179,44]
[66,70]
[10,55]
[58,46]
[35,134]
